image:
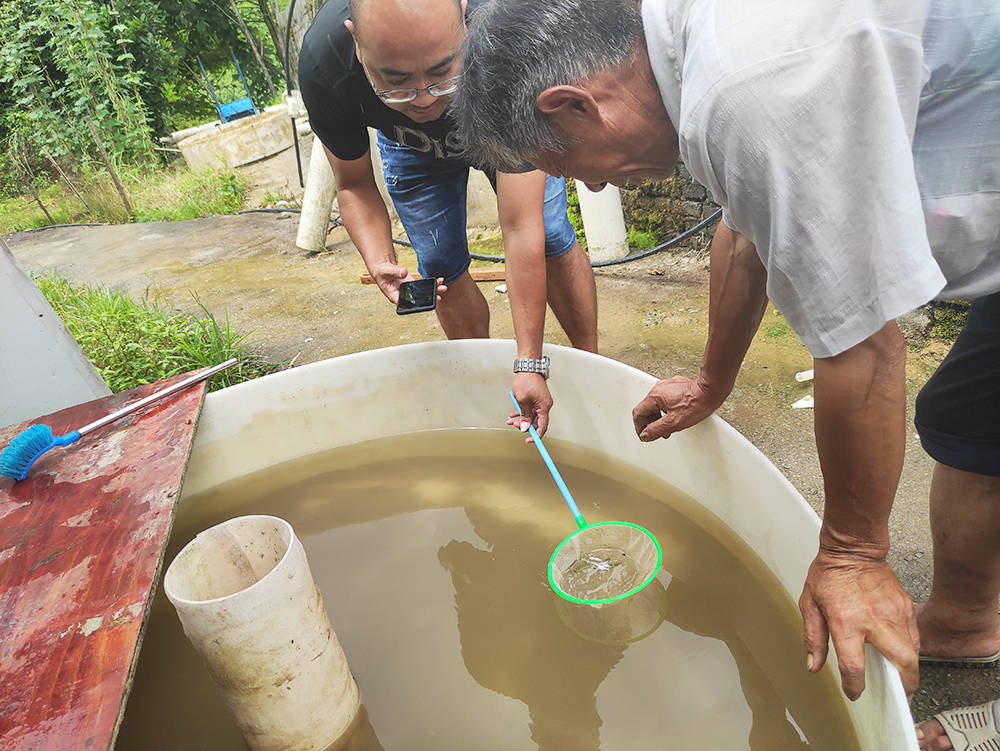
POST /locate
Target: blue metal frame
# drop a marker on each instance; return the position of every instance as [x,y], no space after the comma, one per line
[234,110]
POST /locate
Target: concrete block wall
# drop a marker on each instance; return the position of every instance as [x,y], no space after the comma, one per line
[698,204]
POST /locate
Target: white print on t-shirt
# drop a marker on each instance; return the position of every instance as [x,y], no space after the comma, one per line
[417,140]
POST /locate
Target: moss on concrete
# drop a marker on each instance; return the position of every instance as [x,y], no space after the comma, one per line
[949,318]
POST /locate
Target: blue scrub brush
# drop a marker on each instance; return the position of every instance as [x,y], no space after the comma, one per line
[28,445]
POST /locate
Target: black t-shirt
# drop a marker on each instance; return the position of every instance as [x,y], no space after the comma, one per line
[342,104]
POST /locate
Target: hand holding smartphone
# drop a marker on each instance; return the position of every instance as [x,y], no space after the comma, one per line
[417,296]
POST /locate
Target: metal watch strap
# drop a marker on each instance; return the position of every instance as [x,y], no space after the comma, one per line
[538,365]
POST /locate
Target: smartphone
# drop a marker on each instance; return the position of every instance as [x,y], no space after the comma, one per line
[417,296]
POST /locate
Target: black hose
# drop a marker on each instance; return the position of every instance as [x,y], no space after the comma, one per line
[635,256]
[57,226]
[478,256]
[663,246]
[288,89]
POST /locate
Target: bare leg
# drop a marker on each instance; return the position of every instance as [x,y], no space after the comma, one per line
[572,294]
[960,618]
[463,311]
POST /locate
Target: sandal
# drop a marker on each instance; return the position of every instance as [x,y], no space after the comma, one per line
[973,728]
[988,661]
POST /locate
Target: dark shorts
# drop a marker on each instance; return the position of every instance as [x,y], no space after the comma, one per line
[429,196]
[958,410]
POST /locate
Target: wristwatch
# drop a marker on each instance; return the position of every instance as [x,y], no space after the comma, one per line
[538,365]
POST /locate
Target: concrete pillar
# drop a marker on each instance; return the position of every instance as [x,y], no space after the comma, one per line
[314,222]
[481,201]
[603,222]
[43,368]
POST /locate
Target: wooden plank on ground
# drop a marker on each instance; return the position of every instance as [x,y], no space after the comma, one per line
[81,546]
[478,275]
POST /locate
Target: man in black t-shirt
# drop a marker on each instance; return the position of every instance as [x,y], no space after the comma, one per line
[392,65]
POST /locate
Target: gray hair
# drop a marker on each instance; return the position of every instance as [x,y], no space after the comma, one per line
[515,49]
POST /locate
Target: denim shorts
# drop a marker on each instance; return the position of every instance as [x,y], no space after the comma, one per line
[429,196]
[958,409]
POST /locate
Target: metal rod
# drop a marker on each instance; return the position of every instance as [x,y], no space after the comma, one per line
[288,91]
[211,90]
[158,395]
[240,71]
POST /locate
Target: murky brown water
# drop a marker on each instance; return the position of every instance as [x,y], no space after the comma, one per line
[431,552]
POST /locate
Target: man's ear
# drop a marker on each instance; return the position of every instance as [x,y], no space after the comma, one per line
[570,108]
[349,25]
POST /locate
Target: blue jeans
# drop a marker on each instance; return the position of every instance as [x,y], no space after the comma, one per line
[429,196]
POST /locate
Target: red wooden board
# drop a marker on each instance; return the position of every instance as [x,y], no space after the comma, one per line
[81,545]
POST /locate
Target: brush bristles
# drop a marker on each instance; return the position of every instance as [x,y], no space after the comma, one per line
[24,449]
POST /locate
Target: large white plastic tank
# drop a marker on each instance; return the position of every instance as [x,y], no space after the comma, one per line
[464,384]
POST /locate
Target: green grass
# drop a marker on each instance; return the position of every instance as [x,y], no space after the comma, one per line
[163,195]
[23,212]
[188,195]
[641,240]
[134,343]
[492,246]
[775,329]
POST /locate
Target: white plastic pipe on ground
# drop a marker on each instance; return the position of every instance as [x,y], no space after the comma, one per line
[248,603]
[603,222]
[314,221]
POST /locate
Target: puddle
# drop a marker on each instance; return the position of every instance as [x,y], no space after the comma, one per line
[431,553]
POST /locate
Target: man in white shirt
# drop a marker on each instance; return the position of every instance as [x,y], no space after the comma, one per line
[855,148]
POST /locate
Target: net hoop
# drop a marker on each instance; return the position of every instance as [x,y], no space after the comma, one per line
[645,582]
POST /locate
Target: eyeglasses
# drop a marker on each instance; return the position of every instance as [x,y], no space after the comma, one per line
[400,96]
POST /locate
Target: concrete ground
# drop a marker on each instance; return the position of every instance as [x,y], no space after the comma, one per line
[653,315]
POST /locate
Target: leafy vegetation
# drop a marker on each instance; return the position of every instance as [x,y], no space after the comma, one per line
[573,212]
[162,195]
[131,69]
[641,240]
[134,343]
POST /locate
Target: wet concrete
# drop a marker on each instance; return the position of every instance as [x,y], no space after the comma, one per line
[653,314]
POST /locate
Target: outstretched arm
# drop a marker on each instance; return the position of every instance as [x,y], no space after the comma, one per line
[737,300]
[851,593]
[367,222]
[520,198]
